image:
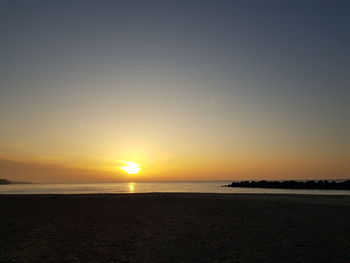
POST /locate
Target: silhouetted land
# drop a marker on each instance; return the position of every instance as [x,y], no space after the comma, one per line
[325,185]
[175,228]
[5,181]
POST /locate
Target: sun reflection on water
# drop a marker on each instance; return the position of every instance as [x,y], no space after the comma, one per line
[131,187]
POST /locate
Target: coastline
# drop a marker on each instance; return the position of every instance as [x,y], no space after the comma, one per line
[174,227]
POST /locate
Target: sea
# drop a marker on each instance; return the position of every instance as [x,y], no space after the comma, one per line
[153,187]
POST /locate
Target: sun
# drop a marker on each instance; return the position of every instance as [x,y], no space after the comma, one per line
[131,168]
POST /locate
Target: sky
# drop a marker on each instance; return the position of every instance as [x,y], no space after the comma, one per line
[189,90]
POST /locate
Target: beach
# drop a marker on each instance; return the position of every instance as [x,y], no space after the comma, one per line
[174,227]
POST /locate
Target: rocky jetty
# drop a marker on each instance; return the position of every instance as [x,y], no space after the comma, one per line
[322,184]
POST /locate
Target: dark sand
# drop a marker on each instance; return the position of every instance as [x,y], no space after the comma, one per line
[174,228]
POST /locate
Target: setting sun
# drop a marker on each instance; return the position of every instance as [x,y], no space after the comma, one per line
[131,168]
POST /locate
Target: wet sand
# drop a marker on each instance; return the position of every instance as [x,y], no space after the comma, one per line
[174,228]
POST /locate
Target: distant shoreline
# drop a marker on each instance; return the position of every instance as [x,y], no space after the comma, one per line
[6,182]
[307,185]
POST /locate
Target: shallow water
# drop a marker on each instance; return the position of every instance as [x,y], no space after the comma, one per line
[150,187]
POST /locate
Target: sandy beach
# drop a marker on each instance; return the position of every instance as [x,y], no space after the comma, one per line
[174,228]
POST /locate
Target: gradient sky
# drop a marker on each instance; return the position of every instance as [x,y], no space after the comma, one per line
[191,90]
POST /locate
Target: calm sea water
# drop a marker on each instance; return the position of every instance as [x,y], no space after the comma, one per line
[150,187]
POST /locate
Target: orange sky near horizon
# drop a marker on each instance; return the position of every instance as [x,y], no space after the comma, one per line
[58,170]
